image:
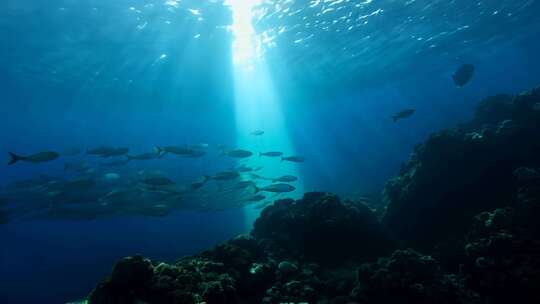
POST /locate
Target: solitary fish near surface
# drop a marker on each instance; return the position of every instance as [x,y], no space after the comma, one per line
[403,114]
[463,75]
[40,157]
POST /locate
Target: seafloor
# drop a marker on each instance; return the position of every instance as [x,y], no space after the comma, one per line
[459,224]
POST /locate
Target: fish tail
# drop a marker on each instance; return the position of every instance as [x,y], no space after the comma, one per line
[206,178]
[14,158]
[260,154]
[160,152]
[129,158]
[282,158]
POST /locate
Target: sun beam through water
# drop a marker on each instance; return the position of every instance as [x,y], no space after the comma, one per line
[258,105]
[245,46]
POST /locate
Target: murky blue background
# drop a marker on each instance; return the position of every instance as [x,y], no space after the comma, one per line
[142,73]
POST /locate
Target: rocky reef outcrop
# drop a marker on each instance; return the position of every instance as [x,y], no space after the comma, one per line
[298,251]
[460,226]
[460,172]
[348,230]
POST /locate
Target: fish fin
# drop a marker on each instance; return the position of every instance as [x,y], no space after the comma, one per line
[14,158]
[160,152]
[206,178]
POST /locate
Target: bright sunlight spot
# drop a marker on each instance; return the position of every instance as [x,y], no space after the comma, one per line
[245,45]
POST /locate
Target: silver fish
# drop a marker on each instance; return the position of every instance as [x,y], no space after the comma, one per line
[40,157]
[275,188]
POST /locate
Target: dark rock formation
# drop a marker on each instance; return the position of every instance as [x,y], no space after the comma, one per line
[458,173]
[409,277]
[503,249]
[322,228]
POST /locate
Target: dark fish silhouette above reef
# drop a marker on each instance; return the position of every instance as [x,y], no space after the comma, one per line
[463,75]
[40,157]
[403,114]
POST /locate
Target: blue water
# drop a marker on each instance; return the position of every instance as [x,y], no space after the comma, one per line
[146,73]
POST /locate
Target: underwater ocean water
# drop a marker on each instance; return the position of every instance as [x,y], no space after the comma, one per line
[164,127]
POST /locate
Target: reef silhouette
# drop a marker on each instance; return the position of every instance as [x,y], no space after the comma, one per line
[459,225]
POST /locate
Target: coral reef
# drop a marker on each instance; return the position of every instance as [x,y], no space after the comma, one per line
[460,172]
[300,227]
[460,226]
[409,275]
